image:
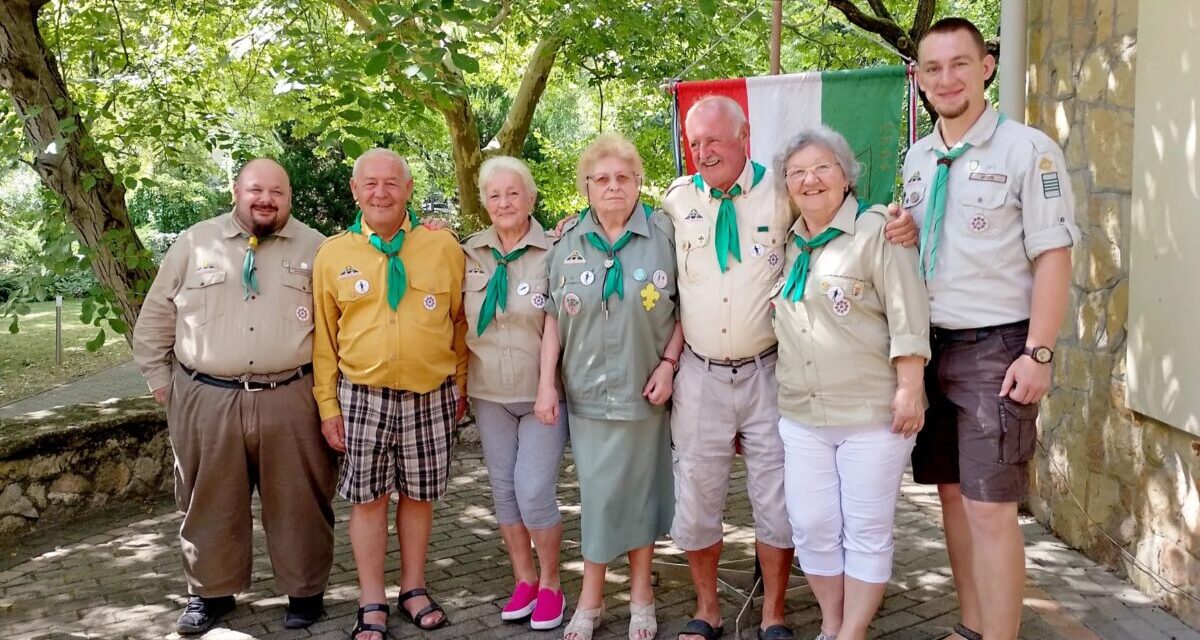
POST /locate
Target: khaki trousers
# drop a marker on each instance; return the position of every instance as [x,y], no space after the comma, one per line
[227,443]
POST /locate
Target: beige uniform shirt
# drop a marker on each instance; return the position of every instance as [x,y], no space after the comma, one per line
[864,304]
[504,361]
[727,316]
[195,311]
[1008,201]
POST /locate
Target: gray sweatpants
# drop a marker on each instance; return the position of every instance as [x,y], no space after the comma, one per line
[523,458]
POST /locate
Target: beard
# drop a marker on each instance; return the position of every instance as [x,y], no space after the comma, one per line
[952,111]
[259,227]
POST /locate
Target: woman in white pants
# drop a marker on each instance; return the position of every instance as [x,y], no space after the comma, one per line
[852,318]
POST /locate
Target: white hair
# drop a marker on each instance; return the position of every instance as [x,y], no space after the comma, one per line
[724,104]
[380,151]
[828,139]
[496,164]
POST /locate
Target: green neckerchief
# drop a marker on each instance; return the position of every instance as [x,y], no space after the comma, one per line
[614,280]
[397,280]
[497,287]
[727,240]
[793,289]
[931,231]
[249,277]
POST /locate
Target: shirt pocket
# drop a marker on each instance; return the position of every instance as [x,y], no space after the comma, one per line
[433,297]
[474,292]
[357,288]
[200,301]
[844,295]
[696,241]
[298,287]
[983,206]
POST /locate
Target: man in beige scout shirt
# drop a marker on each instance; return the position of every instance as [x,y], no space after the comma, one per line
[225,342]
[998,217]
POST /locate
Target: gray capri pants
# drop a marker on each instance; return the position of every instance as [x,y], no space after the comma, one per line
[523,457]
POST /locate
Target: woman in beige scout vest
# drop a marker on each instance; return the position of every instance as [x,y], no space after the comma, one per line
[505,290]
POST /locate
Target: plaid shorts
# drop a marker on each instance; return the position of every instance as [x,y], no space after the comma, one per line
[397,439]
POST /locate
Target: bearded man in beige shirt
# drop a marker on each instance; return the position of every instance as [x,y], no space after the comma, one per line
[224,341]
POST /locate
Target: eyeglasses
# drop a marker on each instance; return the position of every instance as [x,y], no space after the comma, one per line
[819,171]
[621,180]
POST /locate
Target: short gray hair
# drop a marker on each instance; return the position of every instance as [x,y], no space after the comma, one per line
[496,164]
[724,104]
[380,151]
[830,140]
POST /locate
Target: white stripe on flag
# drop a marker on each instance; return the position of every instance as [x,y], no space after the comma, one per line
[779,107]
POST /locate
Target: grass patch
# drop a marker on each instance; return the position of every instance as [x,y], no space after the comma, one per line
[27,358]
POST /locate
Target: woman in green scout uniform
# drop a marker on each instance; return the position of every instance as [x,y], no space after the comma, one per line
[505,290]
[611,316]
[852,320]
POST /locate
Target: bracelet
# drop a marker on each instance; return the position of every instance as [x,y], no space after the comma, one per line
[674,362]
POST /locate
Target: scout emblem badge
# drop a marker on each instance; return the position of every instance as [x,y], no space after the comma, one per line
[650,297]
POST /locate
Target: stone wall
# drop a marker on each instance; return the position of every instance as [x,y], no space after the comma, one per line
[1134,477]
[64,462]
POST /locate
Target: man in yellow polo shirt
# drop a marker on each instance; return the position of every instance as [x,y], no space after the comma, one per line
[390,363]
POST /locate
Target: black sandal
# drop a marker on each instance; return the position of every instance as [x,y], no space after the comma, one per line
[419,617]
[966,632]
[368,627]
[698,627]
[776,632]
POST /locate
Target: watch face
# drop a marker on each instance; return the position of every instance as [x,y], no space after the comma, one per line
[1043,355]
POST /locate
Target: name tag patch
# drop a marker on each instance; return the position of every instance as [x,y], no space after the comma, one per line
[998,178]
[574,258]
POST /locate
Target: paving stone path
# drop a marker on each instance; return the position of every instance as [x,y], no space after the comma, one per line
[117,575]
[118,381]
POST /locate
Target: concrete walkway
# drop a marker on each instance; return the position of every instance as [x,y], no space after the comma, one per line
[118,381]
[117,575]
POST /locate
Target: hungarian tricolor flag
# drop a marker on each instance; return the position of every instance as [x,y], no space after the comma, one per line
[866,106]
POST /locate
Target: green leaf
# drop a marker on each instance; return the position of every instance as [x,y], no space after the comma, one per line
[351,148]
[89,181]
[87,310]
[376,64]
[350,115]
[708,7]
[118,325]
[94,344]
[13,326]
[465,62]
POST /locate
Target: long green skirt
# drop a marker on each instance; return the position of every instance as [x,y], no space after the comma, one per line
[626,489]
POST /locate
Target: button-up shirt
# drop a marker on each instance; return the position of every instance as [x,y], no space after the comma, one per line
[607,357]
[504,361]
[1008,201]
[727,315]
[864,305]
[412,348]
[196,311]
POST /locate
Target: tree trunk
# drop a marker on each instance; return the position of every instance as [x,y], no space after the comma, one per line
[468,156]
[67,160]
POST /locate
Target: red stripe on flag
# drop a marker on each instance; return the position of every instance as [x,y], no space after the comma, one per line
[691,92]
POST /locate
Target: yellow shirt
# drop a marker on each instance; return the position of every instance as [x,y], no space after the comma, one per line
[727,315]
[357,335]
[196,312]
[864,305]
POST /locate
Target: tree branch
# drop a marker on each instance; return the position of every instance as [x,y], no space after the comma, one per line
[880,10]
[505,9]
[922,18]
[355,15]
[888,29]
[515,129]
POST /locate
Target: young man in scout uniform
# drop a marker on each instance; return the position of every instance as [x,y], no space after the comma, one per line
[994,202]
[391,361]
[224,340]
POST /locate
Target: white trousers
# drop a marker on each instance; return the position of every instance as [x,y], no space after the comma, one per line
[841,485]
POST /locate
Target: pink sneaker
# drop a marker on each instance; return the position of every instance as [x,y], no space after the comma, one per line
[524,599]
[551,605]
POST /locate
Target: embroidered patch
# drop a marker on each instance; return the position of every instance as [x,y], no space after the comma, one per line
[538,300]
[430,302]
[575,258]
[478,270]
[763,229]
[347,272]
[914,196]
[973,166]
[1045,164]
[998,178]
[979,223]
[841,307]
[693,216]
[856,290]
[650,297]
[777,287]
[915,177]
[773,259]
[1051,188]
[362,286]
[302,314]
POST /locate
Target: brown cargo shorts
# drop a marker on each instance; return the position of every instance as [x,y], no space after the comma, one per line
[972,436]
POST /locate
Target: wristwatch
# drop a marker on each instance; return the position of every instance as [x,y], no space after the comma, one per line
[1040,355]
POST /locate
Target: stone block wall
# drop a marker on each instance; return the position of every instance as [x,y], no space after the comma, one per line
[1137,479]
[68,461]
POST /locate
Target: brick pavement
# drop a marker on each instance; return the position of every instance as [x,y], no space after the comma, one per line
[118,381]
[116,575]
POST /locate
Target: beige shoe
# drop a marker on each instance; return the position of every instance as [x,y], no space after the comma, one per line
[642,623]
[583,623]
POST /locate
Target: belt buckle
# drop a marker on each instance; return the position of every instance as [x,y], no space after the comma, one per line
[247,387]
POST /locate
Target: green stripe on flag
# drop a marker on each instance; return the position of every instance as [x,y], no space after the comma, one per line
[866,106]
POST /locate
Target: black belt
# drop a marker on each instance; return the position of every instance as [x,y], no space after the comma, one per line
[973,335]
[735,363]
[247,385]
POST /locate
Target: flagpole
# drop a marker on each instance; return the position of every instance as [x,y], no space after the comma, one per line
[676,145]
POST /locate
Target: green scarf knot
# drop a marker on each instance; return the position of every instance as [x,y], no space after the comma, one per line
[727,240]
[497,288]
[797,279]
